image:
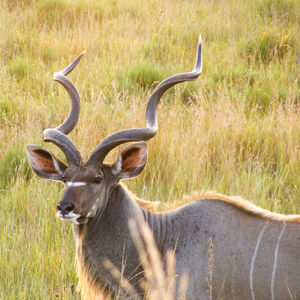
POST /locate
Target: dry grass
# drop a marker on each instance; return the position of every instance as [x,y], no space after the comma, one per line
[159,273]
[235,130]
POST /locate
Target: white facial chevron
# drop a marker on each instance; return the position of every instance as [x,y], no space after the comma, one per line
[79,183]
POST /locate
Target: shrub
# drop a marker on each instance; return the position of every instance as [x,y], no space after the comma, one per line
[14,163]
[20,67]
[276,9]
[143,74]
[268,45]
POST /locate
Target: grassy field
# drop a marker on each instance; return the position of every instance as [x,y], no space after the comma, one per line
[236,130]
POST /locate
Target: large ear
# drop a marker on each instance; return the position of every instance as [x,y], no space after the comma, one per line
[131,161]
[44,163]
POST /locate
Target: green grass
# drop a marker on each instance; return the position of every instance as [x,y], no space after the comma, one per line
[143,75]
[236,130]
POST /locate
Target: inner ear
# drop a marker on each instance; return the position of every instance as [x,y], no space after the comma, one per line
[132,158]
[44,163]
[131,161]
[43,160]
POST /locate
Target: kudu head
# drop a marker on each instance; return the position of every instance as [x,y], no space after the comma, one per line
[89,184]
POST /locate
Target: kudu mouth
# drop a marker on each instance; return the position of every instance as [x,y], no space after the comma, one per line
[72,217]
[67,210]
[69,217]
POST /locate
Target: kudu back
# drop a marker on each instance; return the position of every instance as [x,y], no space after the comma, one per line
[254,254]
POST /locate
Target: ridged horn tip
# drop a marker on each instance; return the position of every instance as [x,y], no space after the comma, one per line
[198,64]
[70,67]
[200,39]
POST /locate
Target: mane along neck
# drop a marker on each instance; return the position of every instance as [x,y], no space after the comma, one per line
[237,201]
[246,206]
[147,205]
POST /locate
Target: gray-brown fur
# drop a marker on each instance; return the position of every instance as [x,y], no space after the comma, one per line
[234,232]
[252,253]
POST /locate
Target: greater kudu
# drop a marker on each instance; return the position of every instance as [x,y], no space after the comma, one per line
[255,252]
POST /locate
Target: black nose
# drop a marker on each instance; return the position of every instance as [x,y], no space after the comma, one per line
[65,207]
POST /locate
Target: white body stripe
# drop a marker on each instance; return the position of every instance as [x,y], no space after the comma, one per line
[275,261]
[254,258]
[79,183]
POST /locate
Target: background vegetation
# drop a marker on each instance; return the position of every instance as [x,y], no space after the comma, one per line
[236,130]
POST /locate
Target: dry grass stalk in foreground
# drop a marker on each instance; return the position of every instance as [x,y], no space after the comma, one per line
[159,281]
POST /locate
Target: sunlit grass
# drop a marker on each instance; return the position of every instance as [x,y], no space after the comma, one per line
[236,130]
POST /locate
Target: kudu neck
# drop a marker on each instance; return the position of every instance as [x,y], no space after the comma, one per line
[133,209]
[108,237]
[120,208]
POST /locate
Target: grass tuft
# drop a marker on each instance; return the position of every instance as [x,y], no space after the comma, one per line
[270,44]
[143,75]
[14,164]
[19,68]
[277,9]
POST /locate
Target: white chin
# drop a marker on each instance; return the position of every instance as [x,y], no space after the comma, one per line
[69,218]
